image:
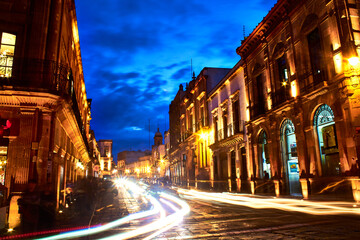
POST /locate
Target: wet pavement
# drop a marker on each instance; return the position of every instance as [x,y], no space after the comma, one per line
[209,220]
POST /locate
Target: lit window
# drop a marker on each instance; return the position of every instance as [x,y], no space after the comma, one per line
[7,49]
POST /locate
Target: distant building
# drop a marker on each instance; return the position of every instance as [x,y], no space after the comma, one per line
[94,165]
[126,158]
[106,157]
[159,163]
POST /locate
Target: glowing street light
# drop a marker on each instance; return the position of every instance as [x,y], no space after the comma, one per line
[354,61]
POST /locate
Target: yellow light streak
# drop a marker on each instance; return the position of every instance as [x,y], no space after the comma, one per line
[310,207]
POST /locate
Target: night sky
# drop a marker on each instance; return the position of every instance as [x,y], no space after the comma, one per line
[135,54]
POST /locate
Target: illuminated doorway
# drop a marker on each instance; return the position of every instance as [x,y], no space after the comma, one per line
[264,160]
[289,155]
[328,146]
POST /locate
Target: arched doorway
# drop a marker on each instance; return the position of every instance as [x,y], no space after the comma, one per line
[289,156]
[264,160]
[328,147]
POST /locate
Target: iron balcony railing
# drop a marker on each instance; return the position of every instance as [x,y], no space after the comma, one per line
[257,109]
[308,82]
[280,96]
[200,124]
[231,129]
[37,75]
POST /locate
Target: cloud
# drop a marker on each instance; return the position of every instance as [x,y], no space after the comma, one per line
[136,53]
[181,73]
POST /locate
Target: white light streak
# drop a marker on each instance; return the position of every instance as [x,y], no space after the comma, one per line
[310,207]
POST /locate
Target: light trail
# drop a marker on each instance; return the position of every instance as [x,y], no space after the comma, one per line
[185,210]
[159,225]
[305,206]
[86,232]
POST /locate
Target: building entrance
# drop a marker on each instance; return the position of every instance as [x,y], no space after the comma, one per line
[329,152]
[290,158]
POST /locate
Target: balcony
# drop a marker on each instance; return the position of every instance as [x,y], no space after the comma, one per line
[201,123]
[239,127]
[280,96]
[309,82]
[257,109]
[185,135]
[231,130]
[39,76]
[36,75]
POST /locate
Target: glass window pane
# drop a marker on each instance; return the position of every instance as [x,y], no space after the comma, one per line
[9,61]
[3,60]
[2,71]
[8,72]
[7,50]
[8,38]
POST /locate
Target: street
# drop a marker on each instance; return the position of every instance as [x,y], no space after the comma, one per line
[209,220]
[217,216]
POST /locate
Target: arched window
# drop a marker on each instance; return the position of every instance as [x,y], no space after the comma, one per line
[289,155]
[325,128]
[264,160]
[316,56]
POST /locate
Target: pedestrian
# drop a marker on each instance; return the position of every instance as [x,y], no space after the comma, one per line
[29,208]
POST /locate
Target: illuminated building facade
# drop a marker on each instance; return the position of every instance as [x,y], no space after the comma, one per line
[301,72]
[159,163]
[127,159]
[106,157]
[190,154]
[94,165]
[227,115]
[167,154]
[44,109]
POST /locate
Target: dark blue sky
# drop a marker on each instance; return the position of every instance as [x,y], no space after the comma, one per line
[135,54]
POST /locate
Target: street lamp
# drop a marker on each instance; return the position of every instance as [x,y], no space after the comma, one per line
[353,71]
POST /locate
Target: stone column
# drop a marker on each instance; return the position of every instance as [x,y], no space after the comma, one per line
[228,156]
[238,168]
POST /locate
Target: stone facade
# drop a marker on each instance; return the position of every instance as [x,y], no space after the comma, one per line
[297,87]
[42,94]
[301,101]
[227,116]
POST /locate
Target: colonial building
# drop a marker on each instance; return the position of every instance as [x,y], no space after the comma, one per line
[189,153]
[44,109]
[106,157]
[159,163]
[227,115]
[301,71]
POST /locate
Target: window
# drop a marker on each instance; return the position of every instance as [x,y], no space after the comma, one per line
[283,72]
[7,49]
[282,91]
[236,116]
[316,55]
